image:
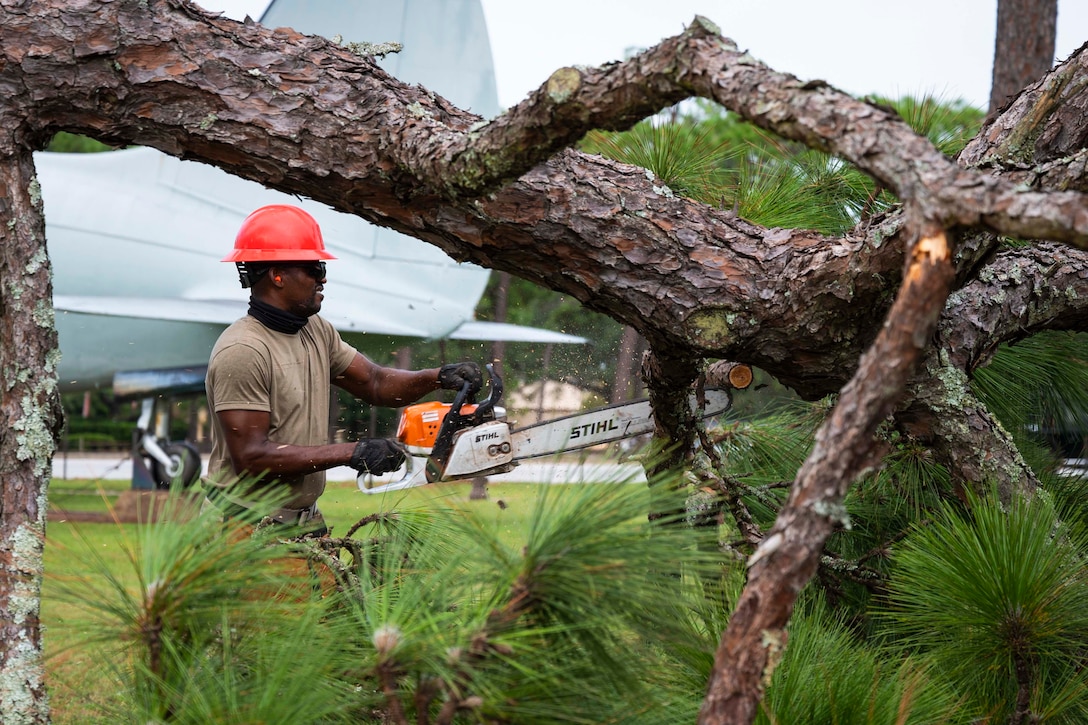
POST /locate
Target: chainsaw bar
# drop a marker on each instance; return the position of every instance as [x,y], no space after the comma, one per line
[600,425]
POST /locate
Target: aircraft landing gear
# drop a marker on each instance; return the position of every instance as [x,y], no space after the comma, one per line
[184,464]
[170,460]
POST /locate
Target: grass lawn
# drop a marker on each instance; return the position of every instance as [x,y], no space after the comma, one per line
[78,676]
[74,672]
[85,495]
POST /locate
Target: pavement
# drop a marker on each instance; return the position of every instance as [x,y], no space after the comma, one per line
[567,469]
[555,469]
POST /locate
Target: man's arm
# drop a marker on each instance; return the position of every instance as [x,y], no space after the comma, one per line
[251,453]
[246,434]
[388,387]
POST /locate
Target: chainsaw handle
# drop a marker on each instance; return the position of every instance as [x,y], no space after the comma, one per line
[409,465]
[402,482]
[484,408]
[459,399]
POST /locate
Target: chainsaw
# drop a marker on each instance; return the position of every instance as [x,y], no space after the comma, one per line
[461,440]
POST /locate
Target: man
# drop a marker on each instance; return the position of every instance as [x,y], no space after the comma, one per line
[269,376]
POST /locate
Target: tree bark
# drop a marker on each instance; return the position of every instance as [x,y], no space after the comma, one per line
[30,421]
[1039,140]
[303,115]
[1023,46]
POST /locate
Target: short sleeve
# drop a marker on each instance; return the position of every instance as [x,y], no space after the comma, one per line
[341,354]
[341,357]
[240,379]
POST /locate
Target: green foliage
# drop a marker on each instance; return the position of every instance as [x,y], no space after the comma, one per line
[828,676]
[776,186]
[187,640]
[591,615]
[70,143]
[910,486]
[949,125]
[765,453]
[997,599]
[561,626]
[568,623]
[579,610]
[772,447]
[1069,500]
[678,152]
[1038,389]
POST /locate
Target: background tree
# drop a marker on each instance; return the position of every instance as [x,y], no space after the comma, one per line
[1023,48]
[869,314]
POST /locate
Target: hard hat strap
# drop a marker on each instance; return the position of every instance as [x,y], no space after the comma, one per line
[250,273]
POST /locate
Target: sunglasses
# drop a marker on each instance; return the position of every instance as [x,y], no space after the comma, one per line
[314,269]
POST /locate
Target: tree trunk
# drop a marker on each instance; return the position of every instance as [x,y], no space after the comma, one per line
[502,294]
[1023,48]
[31,420]
[625,365]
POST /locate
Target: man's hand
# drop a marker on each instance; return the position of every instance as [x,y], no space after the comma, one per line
[455,375]
[377,456]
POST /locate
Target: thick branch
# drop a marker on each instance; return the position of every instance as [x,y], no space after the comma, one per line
[702,63]
[1020,292]
[845,448]
[276,91]
[668,379]
[1043,125]
[964,436]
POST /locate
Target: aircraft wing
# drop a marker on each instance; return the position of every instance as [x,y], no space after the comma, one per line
[221,312]
[224,312]
[214,312]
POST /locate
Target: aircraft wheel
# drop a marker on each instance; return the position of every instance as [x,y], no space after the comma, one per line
[184,465]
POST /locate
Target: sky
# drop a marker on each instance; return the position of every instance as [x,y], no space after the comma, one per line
[889,47]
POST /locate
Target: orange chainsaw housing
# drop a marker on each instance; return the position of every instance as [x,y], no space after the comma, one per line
[419,424]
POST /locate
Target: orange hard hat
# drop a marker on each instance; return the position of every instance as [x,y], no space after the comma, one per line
[278,233]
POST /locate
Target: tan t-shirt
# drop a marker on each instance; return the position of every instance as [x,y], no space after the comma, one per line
[286,376]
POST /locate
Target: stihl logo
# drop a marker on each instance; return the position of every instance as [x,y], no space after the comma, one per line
[590,429]
[494,435]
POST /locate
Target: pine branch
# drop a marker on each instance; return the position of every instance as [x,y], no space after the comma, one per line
[731,490]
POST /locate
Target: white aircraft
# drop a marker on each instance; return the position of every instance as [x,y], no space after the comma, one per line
[136,238]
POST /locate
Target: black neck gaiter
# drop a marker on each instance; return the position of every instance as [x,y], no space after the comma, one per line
[274,318]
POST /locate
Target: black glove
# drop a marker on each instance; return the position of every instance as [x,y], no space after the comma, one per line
[377,456]
[455,375]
